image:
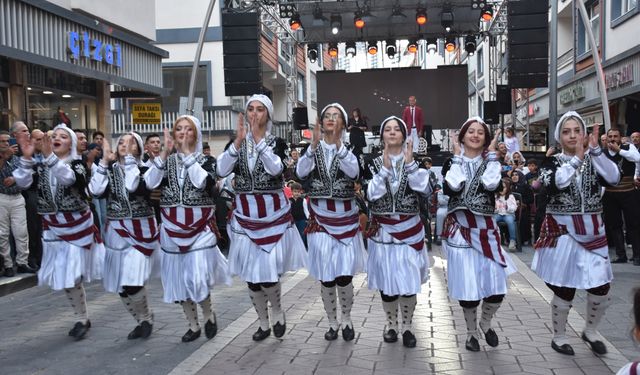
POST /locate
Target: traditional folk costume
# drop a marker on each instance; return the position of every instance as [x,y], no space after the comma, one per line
[72,248]
[131,234]
[398,263]
[476,263]
[336,249]
[572,251]
[265,242]
[191,260]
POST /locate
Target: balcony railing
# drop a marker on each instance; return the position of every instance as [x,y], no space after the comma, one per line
[214,120]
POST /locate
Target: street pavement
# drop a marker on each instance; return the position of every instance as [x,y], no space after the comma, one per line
[34,324]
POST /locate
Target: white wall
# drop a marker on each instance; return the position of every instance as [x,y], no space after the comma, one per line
[623,37]
[172,14]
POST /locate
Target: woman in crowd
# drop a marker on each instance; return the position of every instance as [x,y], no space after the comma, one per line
[506,206]
[73,252]
[336,249]
[191,260]
[633,368]
[264,241]
[131,236]
[398,263]
[477,266]
[572,251]
[356,126]
[519,185]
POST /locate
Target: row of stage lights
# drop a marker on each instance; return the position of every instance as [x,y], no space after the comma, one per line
[391,47]
[446,18]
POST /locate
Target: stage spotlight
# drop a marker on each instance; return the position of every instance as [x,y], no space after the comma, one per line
[450,44]
[421,16]
[312,52]
[350,49]
[333,50]
[477,4]
[358,21]
[432,45]
[487,13]
[446,20]
[470,44]
[372,49]
[336,23]
[391,48]
[413,45]
[294,22]
[287,10]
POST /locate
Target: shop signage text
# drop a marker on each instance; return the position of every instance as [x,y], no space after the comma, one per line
[146,113]
[593,118]
[572,93]
[82,46]
[619,77]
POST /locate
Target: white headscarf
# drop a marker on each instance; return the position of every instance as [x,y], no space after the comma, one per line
[403,127]
[564,119]
[74,140]
[267,103]
[139,142]
[195,122]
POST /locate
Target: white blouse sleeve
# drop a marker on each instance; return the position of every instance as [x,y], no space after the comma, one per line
[455,177]
[131,174]
[348,162]
[377,188]
[153,176]
[418,178]
[197,174]
[227,161]
[605,167]
[566,171]
[99,180]
[272,162]
[631,154]
[492,174]
[24,174]
[306,163]
[63,172]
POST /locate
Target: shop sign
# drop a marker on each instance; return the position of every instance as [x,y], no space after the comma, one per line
[82,46]
[572,93]
[146,113]
[593,118]
[619,77]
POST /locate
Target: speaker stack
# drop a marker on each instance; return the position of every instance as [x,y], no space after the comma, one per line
[241,49]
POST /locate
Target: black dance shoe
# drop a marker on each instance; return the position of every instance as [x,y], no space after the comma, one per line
[331,334]
[348,333]
[136,333]
[390,336]
[211,328]
[79,330]
[563,349]
[25,268]
[597,346]
[620,260]
[261,334]
[145,329]
[409,339]
[472,344]
[491,338]
[190,335]
[279,329]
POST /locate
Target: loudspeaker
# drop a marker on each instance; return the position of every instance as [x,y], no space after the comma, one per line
[528,43]
[503,97]
[241,50]
[300,118]
[490,110]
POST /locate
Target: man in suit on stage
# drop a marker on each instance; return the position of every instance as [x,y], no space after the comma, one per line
[412,116]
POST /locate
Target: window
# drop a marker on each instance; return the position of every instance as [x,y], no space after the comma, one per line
[286,51]
[480,62]
[313,91]
[621,10]
[302,89]
[480,106]
[593,11]
[177,79]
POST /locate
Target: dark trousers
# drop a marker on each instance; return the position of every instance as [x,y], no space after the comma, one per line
[619,205]
[34,226]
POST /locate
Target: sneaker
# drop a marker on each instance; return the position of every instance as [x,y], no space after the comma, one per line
[9,272]
[512,245]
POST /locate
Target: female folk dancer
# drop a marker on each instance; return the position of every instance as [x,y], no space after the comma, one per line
[191,260]
[336,250]
[72,249]
[131,235]
[572,251]
[398,263]
[264,241]
[477,266]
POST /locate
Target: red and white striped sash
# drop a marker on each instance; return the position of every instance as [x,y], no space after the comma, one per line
[336,217]
[184,224]
[481,232]
[405,228]
[77,228]
[263,217]
[141,233]
[588,230]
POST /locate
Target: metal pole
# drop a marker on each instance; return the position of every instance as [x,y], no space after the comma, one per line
[553,71]
[598,65]
[196,60]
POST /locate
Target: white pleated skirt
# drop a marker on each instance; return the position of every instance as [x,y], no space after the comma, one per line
[330,258]
[570,265]
[254,265]
[192,274]
[64,265]
[470,275]
[395,268]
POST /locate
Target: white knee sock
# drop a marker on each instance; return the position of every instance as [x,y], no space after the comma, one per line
[559,314]
[329,302]
[191,312]
[260,303]
[488,311]
[77,297]
[471,319]
[141,307]
[596,307]
[207,309]
[274,296]
[391,312]
[407,307]
[346,303]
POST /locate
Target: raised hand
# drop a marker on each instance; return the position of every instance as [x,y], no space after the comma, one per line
[594,137]
[580,147]
[107,154]
[408,152]
[26,145]
[550,151]
[47,148]
[494,142]
[386,161]
[241,132]
[168,144]
[316,135]
[456,146]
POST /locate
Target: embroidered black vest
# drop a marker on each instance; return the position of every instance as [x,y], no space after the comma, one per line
[122,204]
[71,198]
[574,199]
[188,196]
[333,184]
[474,196]
[259,180]
[404,201]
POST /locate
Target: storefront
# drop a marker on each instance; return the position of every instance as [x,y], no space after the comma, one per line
[61,65]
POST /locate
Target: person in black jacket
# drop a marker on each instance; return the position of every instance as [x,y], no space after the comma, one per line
[356,127]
